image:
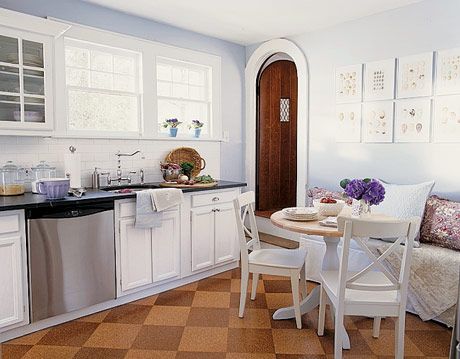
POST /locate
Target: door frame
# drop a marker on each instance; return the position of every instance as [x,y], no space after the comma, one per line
[253,66]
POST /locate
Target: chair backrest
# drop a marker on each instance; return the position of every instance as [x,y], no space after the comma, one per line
[360,230]
[246,224]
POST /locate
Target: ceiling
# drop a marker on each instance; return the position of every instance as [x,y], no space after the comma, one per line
[250,21]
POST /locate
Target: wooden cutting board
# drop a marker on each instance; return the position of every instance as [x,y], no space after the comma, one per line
[196,185]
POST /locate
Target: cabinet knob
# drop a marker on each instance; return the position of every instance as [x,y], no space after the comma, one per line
[215,199]
[216,210]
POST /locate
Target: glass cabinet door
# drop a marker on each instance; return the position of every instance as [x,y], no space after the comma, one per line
[22,81]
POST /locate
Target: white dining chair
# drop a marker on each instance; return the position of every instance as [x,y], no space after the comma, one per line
[373,291]
[282,262]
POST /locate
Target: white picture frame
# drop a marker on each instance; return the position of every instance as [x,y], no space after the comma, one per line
[349,83]
[446,123]
[415,76]
[448,72]
[377,119]
[412,120]
[348,120]
[379,80]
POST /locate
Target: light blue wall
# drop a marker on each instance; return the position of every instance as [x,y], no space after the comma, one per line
[233,59]
[425,26]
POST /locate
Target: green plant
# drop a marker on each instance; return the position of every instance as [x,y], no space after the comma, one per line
[187,168]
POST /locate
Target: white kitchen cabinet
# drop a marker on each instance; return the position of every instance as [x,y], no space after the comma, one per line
[146,256]
[13,271]
[213,230]
[135,255]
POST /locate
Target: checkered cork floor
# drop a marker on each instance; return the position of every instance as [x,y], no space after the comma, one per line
[200,320]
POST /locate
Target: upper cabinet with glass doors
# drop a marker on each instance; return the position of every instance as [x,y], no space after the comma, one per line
[25,81]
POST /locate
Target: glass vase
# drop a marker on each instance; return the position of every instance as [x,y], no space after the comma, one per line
[360,208]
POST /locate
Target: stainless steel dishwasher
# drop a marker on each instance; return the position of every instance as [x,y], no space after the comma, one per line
[71,257]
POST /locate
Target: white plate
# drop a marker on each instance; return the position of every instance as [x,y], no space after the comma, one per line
[301,219]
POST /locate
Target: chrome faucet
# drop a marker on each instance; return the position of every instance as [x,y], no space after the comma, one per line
[120,177]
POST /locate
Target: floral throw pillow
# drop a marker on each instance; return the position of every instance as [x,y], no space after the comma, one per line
[318,193]
[441,223]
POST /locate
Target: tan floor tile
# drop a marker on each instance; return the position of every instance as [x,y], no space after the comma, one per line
[278,300]
[294,341]
[413,322]
[167,315]
[385,343]
[253,318]
[30,339]
[236,286]
[430,342]
[147,301]
[153,337]
[260,302]
[51,352]
[13,351]
[150,354]
[100,353]
[199,355]
[250,356]
[359,345]
[244,340]
[223,275]
[189,287]
[197,339]
[113,335]
[208,317]
[69,334]
[95,318]
[128,314]
[211,300]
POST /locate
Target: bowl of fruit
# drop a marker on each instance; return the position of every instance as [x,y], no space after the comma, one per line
[328,206]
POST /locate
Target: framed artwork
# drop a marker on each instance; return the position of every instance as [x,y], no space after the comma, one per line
[412,120]
[349,83]
[377,118]
[415,75]
[348,119]
[379,80]
[447,119]
[448,72]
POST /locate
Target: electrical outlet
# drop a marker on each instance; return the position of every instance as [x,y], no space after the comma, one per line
[226,136]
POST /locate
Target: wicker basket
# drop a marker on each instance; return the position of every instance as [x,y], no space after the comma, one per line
[187,154]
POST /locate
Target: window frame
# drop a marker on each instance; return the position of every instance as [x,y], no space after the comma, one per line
[149,52]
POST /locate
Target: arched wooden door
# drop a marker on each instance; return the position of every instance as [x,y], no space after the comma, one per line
[276,174]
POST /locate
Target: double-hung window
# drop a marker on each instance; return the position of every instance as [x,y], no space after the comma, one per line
[184,91]
[103,89]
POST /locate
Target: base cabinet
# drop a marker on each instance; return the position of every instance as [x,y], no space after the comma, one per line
[13,271]
[146,256]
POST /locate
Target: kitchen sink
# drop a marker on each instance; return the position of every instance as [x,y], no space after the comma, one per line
[129,188]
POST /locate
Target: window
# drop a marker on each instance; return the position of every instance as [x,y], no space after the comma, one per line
[103,90]
[184,91]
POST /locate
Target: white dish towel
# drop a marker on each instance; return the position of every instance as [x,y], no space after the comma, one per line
[150,204]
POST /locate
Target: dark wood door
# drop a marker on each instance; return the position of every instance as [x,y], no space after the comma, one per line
[276,175]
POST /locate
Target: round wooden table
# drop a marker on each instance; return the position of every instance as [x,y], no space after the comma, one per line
[331,237]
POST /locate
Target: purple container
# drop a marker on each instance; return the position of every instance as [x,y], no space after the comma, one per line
[54,188]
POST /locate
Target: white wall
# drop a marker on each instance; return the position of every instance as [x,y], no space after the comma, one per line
[425,26]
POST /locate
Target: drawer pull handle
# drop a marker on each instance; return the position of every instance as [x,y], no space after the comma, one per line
[215,199]
[216,210]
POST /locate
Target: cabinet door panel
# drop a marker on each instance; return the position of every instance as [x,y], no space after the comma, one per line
[136,255]
[166,247]
[11,295]
[202,237]
[226,245]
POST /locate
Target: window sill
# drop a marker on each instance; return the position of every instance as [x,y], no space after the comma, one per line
[133,137]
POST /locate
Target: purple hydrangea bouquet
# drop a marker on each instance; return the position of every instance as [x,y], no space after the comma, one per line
[365,193]
[172,123]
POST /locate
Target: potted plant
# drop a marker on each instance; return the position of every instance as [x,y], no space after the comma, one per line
[196,125]
[172,124]
[365,193]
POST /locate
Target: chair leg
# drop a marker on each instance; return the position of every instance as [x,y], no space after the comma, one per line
[244,290]
[338,334]
[400,324]
[303,282]
[295,297]
[255,281]
[322,312]
[376,327]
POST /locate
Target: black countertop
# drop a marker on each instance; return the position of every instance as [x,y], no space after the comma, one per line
[30,200]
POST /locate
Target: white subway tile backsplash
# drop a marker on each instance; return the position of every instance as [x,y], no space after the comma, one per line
[28,151]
